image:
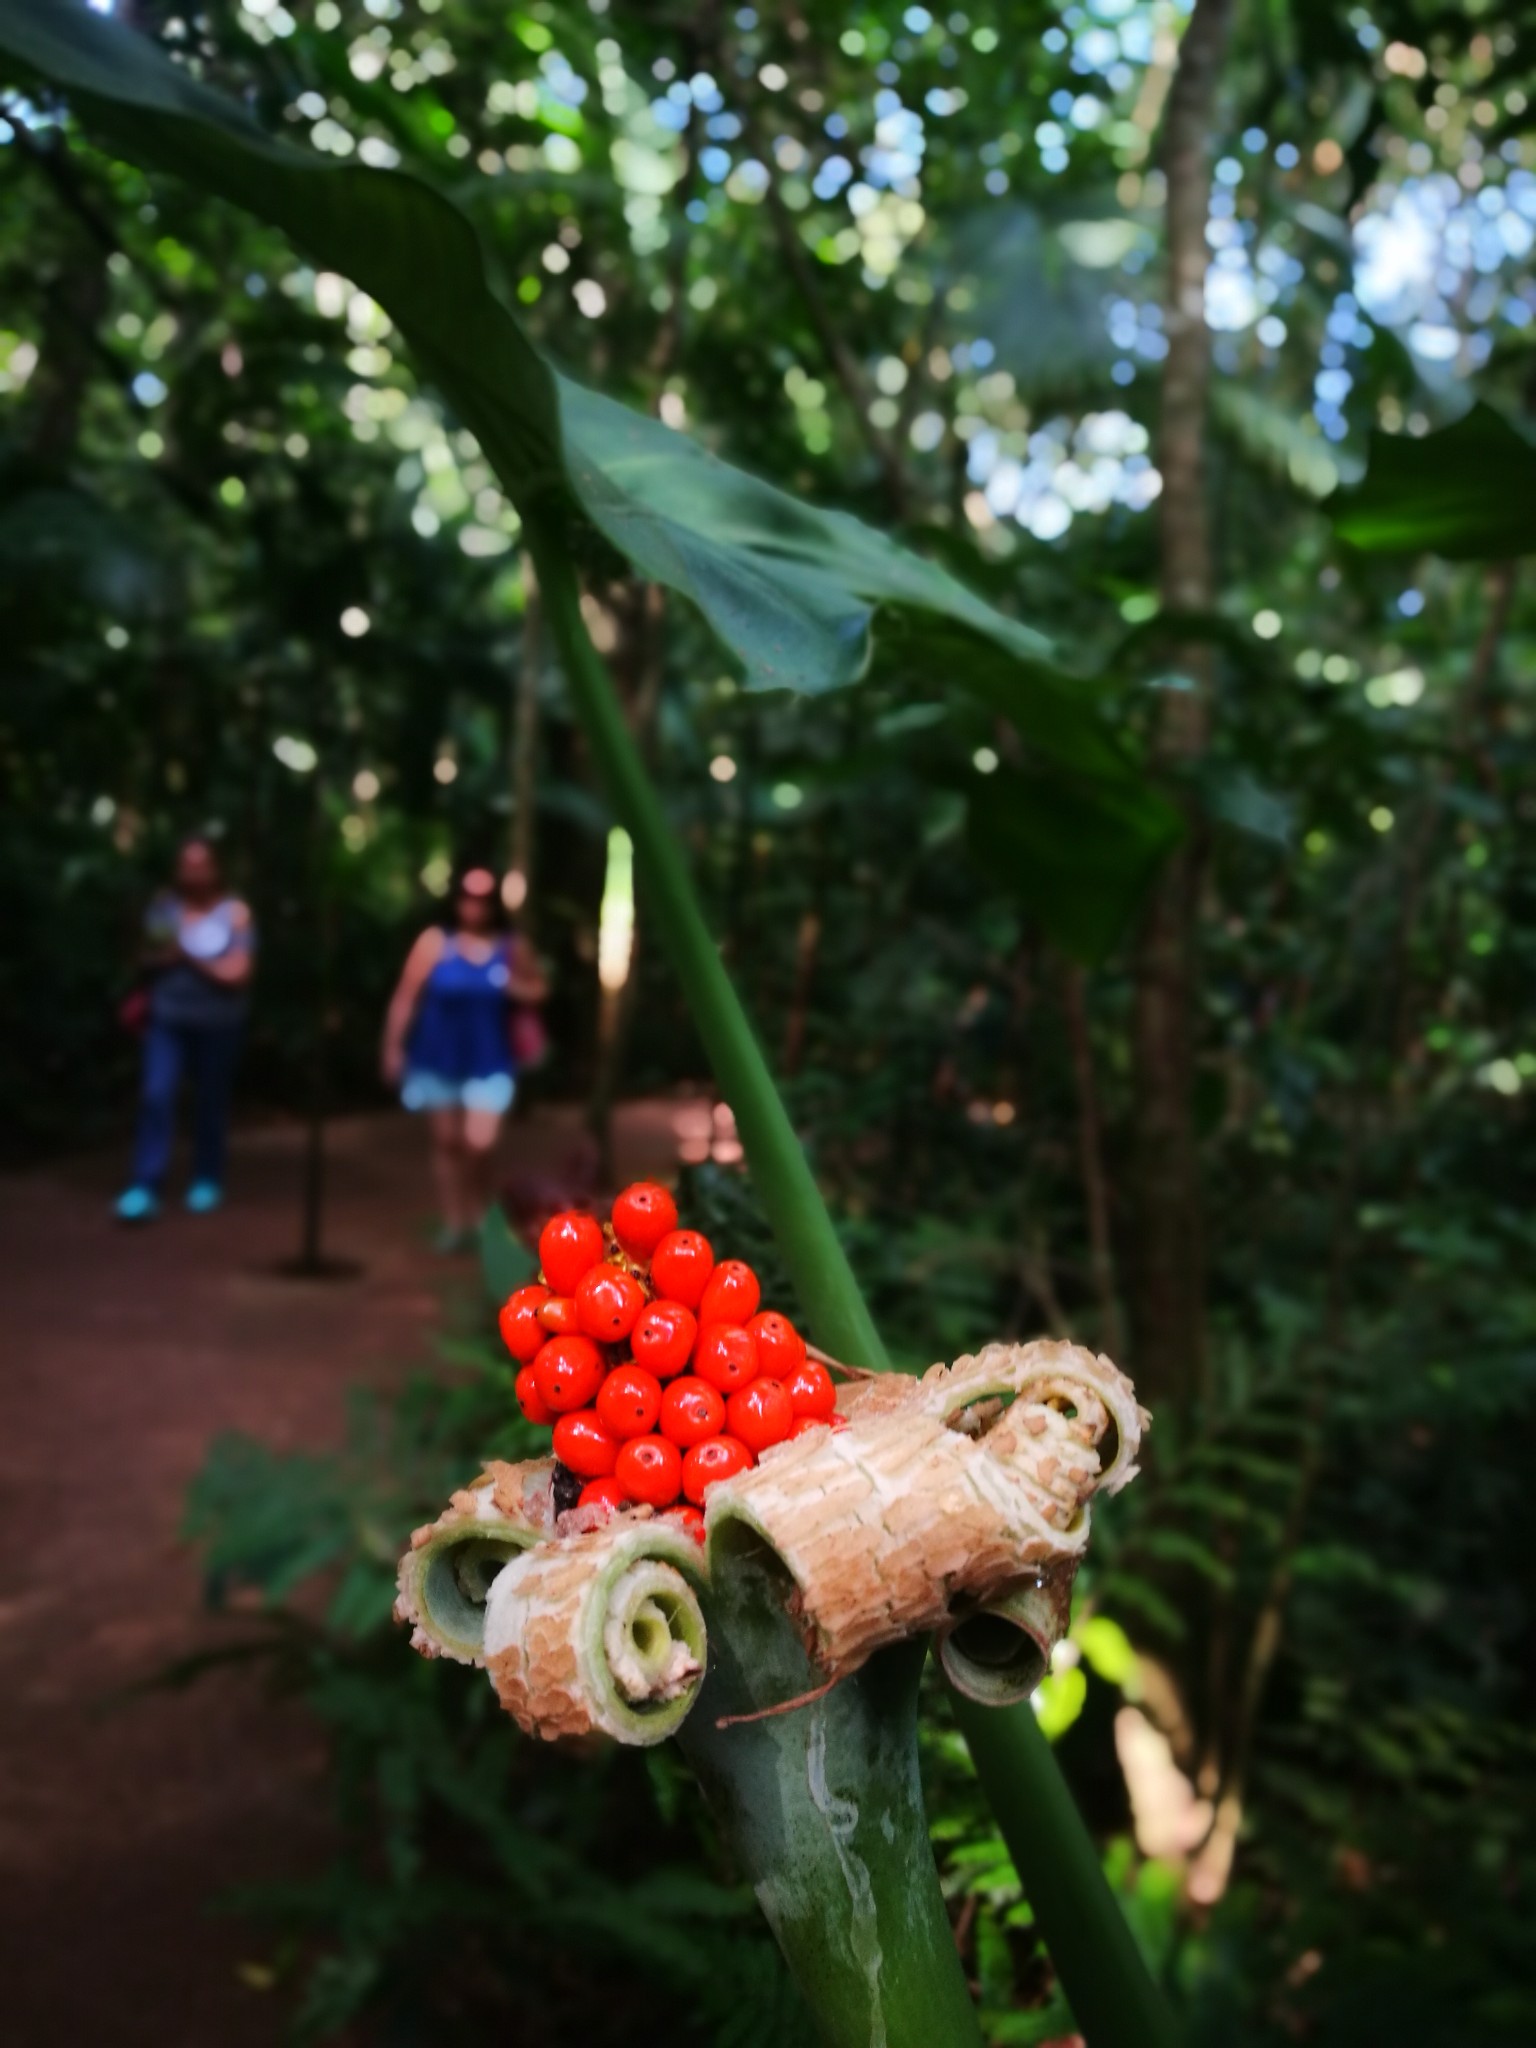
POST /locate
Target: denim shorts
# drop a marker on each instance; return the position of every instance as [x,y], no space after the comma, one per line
[490,1092]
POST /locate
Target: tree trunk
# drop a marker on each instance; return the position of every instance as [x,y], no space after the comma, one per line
[1168,1292]
[525,753]
[311,1258]
[1090,1151]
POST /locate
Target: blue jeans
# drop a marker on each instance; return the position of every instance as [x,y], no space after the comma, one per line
[207,1053]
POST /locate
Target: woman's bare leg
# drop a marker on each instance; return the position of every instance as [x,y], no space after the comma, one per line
[449,1166]
[482,1131]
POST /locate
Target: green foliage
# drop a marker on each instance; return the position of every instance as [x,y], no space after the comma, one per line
[175,567]
[788,588]
[1466,492]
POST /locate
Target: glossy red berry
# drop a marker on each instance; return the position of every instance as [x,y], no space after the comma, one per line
[629,1401]
[780,1346]
[602,1493]
[681,1265]
[530,1400]
[570,1244]
[607,1302]
[519,1324]
[760,1415]
[691,1410]
[650,1470]
[726,1356]
[689,1518]
[719,1457]
[810,1390]
[802,1423]
[568,1373]
[732,1294]
[582,1443]
[662,1339]
[557,1314]
[642,1217]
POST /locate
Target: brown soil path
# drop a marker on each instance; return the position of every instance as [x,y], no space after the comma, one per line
[124,1352]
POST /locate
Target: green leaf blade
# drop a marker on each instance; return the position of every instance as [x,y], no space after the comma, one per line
[1467,492]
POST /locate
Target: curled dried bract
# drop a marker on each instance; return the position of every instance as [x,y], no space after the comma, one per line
[446,1575]
[600,1632]
[942,1496]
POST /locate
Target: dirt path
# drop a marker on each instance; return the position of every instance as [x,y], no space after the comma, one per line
[124,1353]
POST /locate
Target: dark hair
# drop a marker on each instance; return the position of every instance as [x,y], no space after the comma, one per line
[206,840]
[466,865]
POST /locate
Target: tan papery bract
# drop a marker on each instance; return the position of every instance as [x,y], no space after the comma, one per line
[936,1498]
[514,1503]
[550,1652]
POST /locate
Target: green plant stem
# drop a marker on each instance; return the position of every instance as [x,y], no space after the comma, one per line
[817,1262]
[1113,1998]
[824,1808]
[1111,1993]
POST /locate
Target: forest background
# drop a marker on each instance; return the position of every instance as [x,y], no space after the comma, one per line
[1201,345]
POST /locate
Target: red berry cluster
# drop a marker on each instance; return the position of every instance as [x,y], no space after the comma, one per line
[652,1361]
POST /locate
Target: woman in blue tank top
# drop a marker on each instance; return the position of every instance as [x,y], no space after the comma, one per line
[448,1044]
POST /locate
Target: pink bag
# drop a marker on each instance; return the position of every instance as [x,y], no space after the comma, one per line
[530,1041]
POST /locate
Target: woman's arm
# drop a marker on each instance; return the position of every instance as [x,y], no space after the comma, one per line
[158,945]
[419,963]
[526,982]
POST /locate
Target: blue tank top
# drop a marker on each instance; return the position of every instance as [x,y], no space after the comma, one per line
[462,1026]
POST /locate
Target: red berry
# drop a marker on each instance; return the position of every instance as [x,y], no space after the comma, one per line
[780,1346]
[719,1457]
[760,1415]
[802,1423]
[691,1410]
[582,1443]
[642,1216]
[602,1493]
[529,1400]
[689,1518]
[557,1315]
[726,1356]
[810,1389]
[607,1302]
[650,1470]
[568,1373]
[570,1244]
[662,1339]
[732,1294]
[681,1265]
[519,1323]
[629,1401]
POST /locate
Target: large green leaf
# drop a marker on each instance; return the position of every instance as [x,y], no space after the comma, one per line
[1078,862]
[1467,492]
[789,587]
[791,590]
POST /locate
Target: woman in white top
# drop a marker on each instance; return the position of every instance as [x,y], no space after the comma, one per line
[200,952]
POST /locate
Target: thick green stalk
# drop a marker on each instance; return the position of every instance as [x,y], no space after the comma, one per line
[824,1808]
[817,1262]
[1096,1958]
[1111,1993]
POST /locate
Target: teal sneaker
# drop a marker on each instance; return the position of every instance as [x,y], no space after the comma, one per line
[136,1205]
[203,1197]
